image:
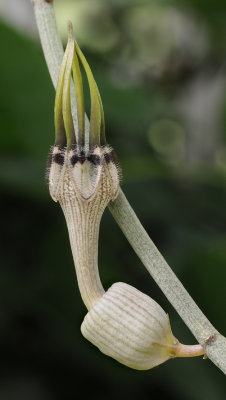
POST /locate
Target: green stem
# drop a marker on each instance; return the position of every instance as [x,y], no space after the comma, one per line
[213,343]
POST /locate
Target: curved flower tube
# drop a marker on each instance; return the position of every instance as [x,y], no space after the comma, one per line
[84,177]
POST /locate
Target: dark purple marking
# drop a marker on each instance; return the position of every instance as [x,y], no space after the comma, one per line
[74,159]
[110,157]
[82,157]
[78,156]
[94,159]
[58,158]
[107,157]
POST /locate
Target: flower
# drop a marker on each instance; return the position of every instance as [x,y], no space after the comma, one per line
[84,177]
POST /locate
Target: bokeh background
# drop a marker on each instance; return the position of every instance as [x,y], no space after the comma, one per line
[161,70]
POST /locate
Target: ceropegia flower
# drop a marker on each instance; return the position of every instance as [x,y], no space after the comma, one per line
[123,322]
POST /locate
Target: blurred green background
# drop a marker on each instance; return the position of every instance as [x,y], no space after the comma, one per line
[161,70]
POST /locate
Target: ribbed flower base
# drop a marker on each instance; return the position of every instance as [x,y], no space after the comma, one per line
[129,326]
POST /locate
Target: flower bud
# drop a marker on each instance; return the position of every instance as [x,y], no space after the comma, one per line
[130,327]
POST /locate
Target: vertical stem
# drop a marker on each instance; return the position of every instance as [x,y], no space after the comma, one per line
[50,40]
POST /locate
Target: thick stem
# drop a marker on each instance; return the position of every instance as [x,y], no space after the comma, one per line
[183,350]
[199,325]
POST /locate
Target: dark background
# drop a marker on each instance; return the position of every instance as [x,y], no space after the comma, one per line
[160,68]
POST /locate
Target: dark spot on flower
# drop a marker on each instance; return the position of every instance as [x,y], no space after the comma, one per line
[58,158]
[110,157]
[94,159]
[82,157]
[78,156]
[107,157]
[74,159]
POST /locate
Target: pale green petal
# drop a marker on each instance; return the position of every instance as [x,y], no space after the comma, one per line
[58,113]
[97,127]
[80,100]
[66,103]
